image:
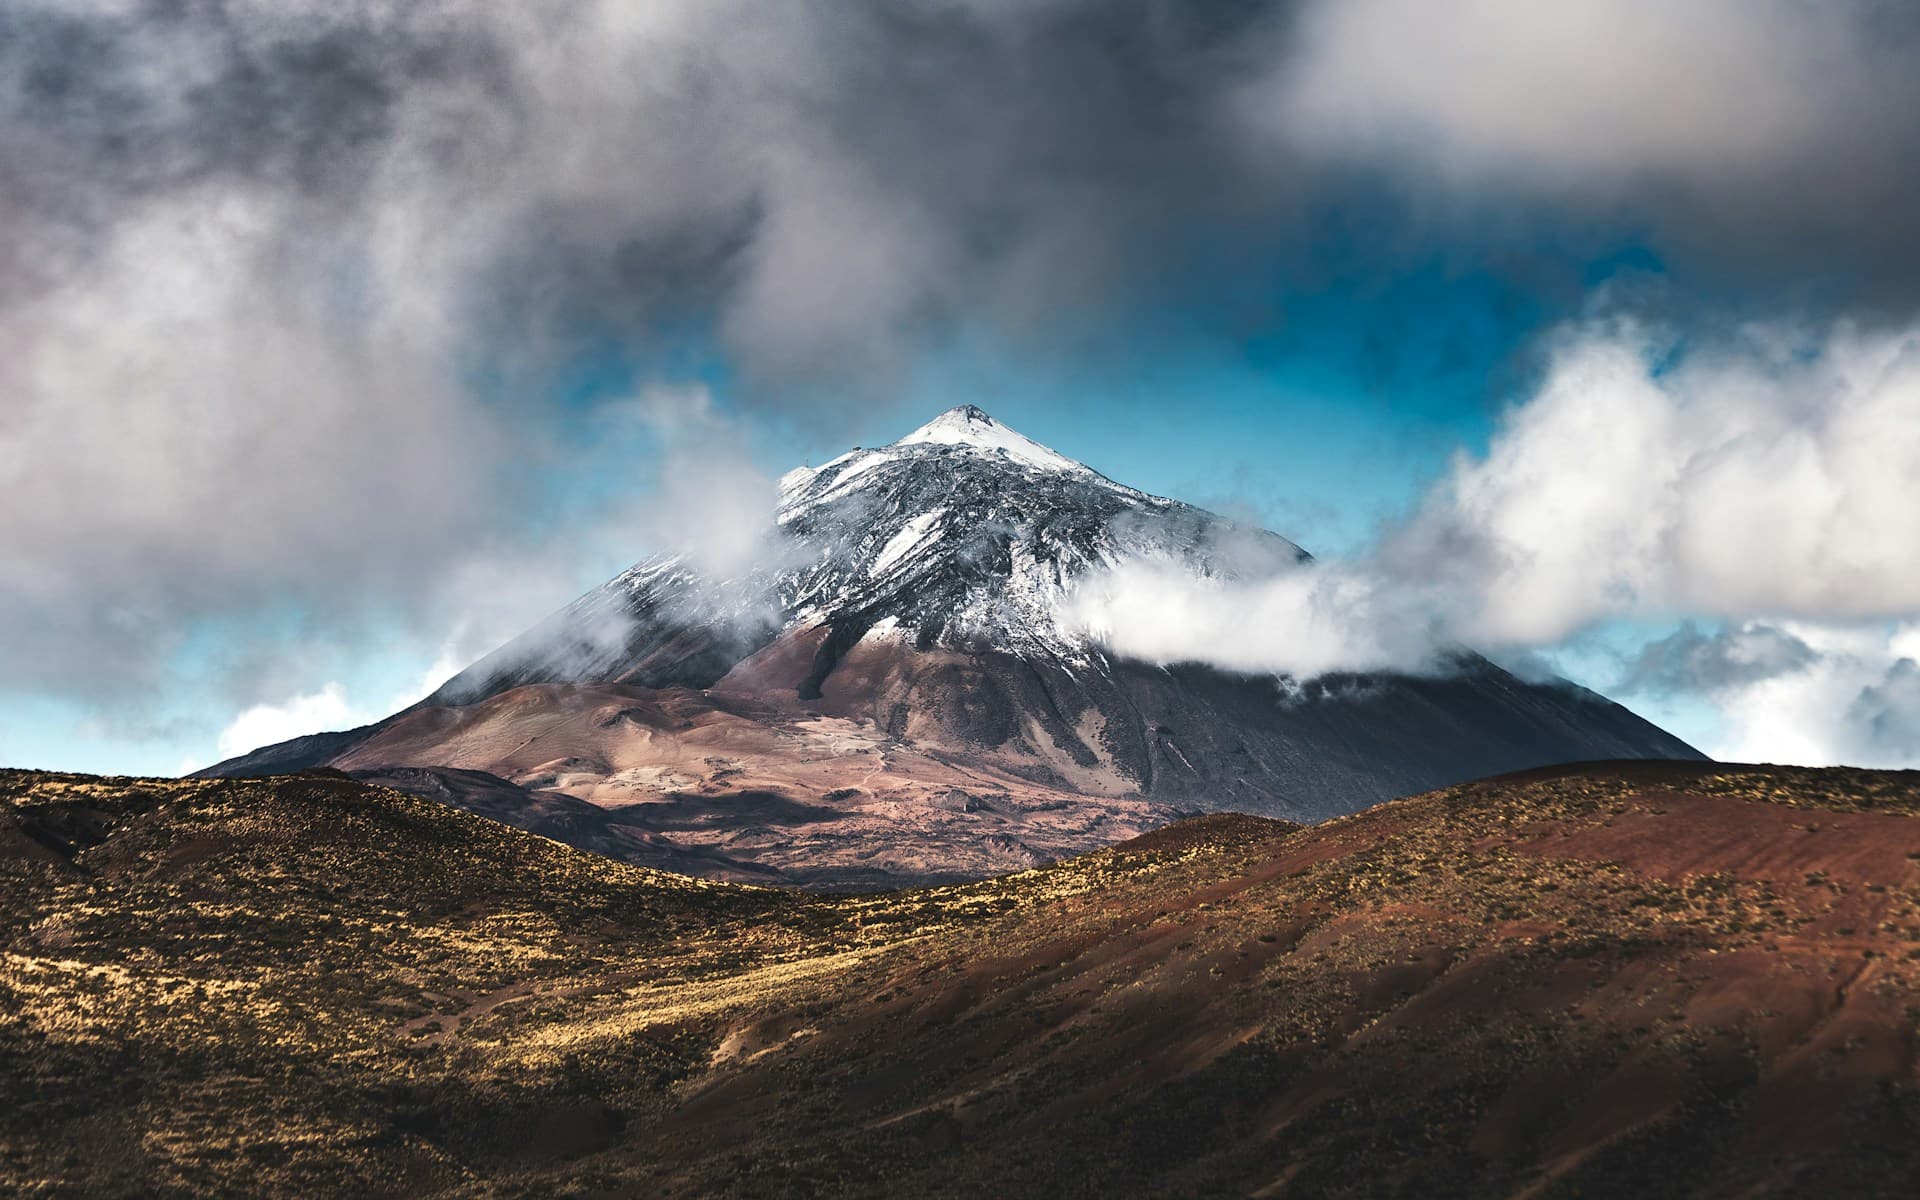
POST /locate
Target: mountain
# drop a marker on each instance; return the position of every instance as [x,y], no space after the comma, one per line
[1647,980]
[896,689]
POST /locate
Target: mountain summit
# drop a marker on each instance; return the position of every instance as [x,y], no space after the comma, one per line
[970,426]
[899,691]
[963,536]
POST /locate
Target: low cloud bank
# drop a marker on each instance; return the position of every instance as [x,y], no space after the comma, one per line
[1798,691]
[330,707]
[704,501]
[1301,621]
[1764,481]
[1766,474]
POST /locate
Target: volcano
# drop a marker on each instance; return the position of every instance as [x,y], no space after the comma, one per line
[897,691]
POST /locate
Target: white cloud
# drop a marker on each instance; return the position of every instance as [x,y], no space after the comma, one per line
[712,503]
[1767,479]
[1303,621]
[449,661]
[265,724]
[1857,701]
[1768,476]
[325,709]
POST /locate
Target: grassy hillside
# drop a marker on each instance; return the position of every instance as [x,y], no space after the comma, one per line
[1644,980]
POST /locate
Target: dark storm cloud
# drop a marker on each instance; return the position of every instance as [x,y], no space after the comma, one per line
[1753,143]
[258,250]
[817,181]
[826,186]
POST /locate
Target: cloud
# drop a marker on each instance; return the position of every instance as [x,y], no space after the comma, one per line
[1691,659]
[712,505]
[288,285]
[1764,480]
[1300,620]
[1591,93]
[1761,130]
[1854,697]
[1768,474]
[812,183]
[329,707]
[178,443]
[1885,716]
[265,724]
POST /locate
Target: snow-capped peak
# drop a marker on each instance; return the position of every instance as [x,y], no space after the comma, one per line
[962,534]
[969,426]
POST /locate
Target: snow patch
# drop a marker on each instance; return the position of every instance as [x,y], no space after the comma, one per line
[794,480]
[909,539]
[842,482]
[968,426]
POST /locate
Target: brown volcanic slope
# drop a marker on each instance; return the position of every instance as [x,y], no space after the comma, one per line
[1647,980]
[741,788]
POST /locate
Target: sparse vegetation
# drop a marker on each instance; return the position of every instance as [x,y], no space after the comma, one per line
[1648,980]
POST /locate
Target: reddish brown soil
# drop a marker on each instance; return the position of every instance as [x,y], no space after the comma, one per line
[1684,981]
[728,785]
[1567,986]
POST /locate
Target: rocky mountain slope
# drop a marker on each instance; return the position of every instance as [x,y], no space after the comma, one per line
[898,690]
[1651,980]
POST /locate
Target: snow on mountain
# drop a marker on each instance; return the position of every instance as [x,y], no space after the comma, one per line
[963,534]
[968,426]
[921,591]
[971,534]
